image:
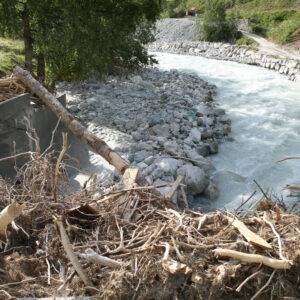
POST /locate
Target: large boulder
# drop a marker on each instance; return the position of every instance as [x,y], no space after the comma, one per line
[169,166]
[195,179]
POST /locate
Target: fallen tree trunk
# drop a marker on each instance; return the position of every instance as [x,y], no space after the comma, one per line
[97,145]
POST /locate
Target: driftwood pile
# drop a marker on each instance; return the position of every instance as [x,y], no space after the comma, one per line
[130,242]
[10,87]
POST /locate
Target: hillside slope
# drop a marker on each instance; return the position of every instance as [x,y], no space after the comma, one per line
[276,20]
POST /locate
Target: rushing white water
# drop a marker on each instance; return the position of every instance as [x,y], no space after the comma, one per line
[265,111]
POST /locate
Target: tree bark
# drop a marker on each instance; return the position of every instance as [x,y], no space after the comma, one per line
[41,67]
[28,40]
[96,144]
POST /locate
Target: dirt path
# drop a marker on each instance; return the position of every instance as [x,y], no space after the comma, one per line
[268,47]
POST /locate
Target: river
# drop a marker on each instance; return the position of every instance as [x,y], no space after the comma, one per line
[264,107]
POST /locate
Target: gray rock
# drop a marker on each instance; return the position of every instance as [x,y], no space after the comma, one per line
[212,191]
[149,160]
[174,127]
[172,147]
[199,160]
[140,155]
[155,120]
[163,190]
[130,124]
[219,111]
[161,130]
[73,108]
[203,149]
[149,170]
[213,147]
[157,173]
[195,135]
[168,165]
[194,178]
[188,141]
[224,120]
[149,178]
[136,135]
[141,165]
[137,79]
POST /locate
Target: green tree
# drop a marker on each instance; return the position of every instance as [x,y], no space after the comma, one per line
[73,38]
[215,26]
[174,8]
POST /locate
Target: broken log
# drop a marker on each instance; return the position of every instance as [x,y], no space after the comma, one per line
[9,213]
[253,258]
[249,235]
[97,145]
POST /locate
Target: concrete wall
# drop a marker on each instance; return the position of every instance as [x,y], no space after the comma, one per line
[13,137]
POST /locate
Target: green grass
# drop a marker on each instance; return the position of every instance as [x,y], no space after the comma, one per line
[246,41]
[277,20]
[10,50]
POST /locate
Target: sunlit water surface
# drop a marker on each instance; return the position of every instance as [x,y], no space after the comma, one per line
[264,107]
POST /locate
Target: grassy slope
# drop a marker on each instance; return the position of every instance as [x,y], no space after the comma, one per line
[277,20]
[9,49]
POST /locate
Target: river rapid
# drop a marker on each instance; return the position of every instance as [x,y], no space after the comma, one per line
[265,111]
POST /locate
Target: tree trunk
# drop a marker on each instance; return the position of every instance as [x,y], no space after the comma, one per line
[41,67]
[96,144]
[28,40]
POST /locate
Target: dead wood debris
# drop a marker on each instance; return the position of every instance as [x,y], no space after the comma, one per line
[156,253]
[10,87]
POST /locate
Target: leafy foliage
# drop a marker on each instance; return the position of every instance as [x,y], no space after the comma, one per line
[274,19]
[77,37]
[215,26]
[278,20]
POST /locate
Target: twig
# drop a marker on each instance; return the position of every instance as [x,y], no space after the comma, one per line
[60,157]
[262,288]
[201,222]
[52,136]
[19,282]
[277,236]
[10,297]
[66,281]
[167,251]
[70,253]
[244,202]
[121,246]
[34,138]
[288,158]
[239,288]
[94,257]
[184,197]
[17,155]
[261,190]
[179,255]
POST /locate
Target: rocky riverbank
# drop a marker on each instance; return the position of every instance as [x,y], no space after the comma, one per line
[166,123]
[182,36]
[240,54]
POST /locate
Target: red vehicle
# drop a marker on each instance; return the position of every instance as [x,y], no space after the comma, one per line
[191,12]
